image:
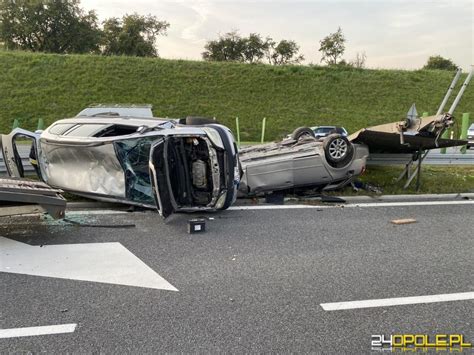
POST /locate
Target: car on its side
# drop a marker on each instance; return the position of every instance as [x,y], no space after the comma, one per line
[173,165]
[470,136]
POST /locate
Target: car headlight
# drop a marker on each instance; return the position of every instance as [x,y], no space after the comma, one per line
[220,202]
[214,136]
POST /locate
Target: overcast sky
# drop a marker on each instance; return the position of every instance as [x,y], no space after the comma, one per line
[393,33]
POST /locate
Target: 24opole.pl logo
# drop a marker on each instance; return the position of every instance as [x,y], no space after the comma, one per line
[419,341]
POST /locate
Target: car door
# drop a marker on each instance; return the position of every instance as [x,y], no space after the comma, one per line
[15,154]
[159,177]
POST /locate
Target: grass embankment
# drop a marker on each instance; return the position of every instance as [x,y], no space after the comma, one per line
[435,179]
[51,87]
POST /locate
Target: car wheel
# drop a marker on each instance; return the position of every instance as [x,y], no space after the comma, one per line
[199,121]
[302,132]
[338,150]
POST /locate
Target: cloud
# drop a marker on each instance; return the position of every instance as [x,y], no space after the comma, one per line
[393,33]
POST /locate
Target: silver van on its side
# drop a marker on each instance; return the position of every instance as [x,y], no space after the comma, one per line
[151,162]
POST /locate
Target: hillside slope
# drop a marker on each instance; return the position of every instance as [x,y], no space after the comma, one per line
[58,86]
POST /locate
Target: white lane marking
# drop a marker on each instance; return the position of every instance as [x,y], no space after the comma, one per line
[387,302]
[276,207]
[353,205]
[96,262]
[93,212]
[34,331]
[414,203]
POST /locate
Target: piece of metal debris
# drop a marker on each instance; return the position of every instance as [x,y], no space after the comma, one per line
[404,221]
[196,225]
[21,196]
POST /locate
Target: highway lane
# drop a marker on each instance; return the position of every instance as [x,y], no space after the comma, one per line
[255,281]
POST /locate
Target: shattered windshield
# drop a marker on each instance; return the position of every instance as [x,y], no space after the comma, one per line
[134,155]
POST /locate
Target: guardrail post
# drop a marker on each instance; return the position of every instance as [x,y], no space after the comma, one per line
[40,125]
[445,135]
[263,129]
[16,123]
[464,128]
[237,129]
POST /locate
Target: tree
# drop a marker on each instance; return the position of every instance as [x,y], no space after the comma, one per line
[359,60]
[133,35]
[57,26]
[252,49]
[228,47]
[255,48]
[285,52]
[438,62]
[332,47]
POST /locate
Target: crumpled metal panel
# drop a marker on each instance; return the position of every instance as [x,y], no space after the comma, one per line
[91,169]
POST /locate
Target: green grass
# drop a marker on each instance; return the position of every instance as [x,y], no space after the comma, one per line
[434,180]
[57,86]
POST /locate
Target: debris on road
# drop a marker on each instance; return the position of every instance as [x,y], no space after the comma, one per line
[21,196]
[404,221]
[196,225]
[79,224]
[360,185]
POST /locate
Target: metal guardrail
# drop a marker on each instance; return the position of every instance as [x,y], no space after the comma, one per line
[431,159]
[374,159]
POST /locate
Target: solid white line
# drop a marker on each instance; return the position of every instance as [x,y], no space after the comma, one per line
[33,331]
[414,203]
[387,302]
[352,205]
[276,207]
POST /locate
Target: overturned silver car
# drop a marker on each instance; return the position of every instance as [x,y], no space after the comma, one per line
[169,164]
[305,162]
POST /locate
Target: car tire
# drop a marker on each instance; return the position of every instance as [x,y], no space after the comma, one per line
[199,121]
[301,132]
[338,150]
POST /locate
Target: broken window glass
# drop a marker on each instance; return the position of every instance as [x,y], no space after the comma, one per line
[134,155]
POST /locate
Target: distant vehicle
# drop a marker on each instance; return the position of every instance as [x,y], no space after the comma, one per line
[317,132]
[324,131]
[470,137]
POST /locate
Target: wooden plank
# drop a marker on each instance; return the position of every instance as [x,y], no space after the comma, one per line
[404,221]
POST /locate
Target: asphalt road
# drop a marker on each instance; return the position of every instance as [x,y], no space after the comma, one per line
[253,282]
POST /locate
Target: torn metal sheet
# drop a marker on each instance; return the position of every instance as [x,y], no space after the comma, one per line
[414,134]
[20,196]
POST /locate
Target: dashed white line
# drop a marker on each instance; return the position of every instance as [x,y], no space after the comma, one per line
[34,331]
[387,302]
